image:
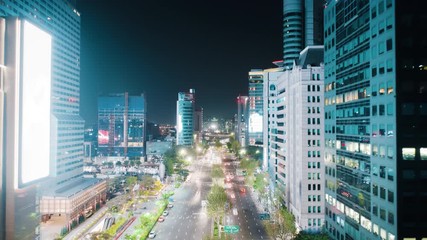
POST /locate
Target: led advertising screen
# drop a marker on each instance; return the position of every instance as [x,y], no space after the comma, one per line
[103,137]
[35,103]
[255,123]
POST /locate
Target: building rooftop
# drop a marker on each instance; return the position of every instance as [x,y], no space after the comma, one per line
[311,55]
[74,188]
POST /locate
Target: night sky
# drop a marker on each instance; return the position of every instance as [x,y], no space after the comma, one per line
[162,47]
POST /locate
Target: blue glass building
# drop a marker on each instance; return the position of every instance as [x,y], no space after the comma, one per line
[121,125]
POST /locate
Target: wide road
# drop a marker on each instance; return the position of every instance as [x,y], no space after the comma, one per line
[188,219]
[245,214]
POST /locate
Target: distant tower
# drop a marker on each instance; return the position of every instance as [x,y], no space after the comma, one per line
[185,118]
[302,27]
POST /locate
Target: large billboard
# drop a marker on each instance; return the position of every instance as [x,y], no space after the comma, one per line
[35,104]
[103,137]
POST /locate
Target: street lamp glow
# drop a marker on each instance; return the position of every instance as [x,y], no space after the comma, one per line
[242,152]
[183,152]
[198,149]
[189,158]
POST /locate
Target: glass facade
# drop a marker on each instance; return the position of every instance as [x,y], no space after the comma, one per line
[121,125]
[374,98]
[185,118]
[255,107]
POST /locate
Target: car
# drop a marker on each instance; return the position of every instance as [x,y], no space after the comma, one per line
[170,205]
[242,190]
[152,234]
[233,196]
[165,213]
[161,219]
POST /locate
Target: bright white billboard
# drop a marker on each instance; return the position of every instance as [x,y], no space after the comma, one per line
[35,103]
[255,123]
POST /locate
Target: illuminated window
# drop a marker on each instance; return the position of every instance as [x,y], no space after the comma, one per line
[408,153]
[423,153]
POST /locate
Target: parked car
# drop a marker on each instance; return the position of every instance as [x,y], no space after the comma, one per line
[170,205]
[161,219]
[165,213]
[152,234]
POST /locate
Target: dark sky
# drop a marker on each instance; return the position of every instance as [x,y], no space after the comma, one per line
[162,47]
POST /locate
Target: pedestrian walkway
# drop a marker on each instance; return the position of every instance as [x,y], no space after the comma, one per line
[84,227]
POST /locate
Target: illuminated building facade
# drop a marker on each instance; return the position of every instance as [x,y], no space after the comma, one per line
[56,124]
[242,121]
[121,125]
[296,138]
[185,118]
[255,107]
[375,108]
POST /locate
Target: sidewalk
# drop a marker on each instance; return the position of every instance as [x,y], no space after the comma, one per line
[79,231]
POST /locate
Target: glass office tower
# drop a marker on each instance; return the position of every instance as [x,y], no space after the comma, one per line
[185,118]
[375,110]
[121,125]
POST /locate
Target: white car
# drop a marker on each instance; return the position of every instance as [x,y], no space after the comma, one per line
[170,205]
[152,234]
[165,213]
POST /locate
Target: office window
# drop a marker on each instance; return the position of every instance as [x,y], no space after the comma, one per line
[382,214]
[408,153]
[389,44]
[374,12]
[423,153]
[390,219]
[309,198]
[390,196]
[388,3]
[390,109]
[389,22]
[374,31]
[381,47]
[380,7]
[381,68]
[390,87]
[390,152]
[382,193]
[390,174]
[389,65]
[375,189]
[309,209]
[381,110]
[308,88]
[374,110]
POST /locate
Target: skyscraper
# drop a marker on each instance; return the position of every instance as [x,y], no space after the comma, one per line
[64,164]
[296,138]
[241,124]
[255,110]
[185,118]
[375,109]
[122,125]
[302,27]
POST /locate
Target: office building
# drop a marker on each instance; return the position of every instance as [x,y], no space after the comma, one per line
[375,108]
[241,121]
[255,107]
[185,118]
[302,26]
[122,125]
[296,138]
[63,129]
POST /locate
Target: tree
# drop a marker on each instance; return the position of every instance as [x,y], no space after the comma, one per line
[100,236]
[138,163]
[110,164]
[217,199]
[216,172]
[118,164]
[218,144]
[131,181]
[147,182]
[126,163]
[132,163]
[283,222]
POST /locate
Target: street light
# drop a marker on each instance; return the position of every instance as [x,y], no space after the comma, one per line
[183,152]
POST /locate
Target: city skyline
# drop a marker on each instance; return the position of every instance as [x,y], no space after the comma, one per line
[161,49]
